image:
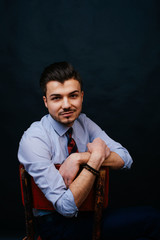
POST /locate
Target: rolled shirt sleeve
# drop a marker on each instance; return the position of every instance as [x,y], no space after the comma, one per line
[36,156]
[66,205]
[95,131]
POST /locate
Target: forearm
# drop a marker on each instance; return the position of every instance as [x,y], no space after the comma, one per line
[114,161]
[82,185]
[99,154]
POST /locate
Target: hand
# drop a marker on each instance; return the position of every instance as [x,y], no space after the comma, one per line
[70,168]
[98,147]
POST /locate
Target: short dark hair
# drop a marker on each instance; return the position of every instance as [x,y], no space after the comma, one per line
[58,71]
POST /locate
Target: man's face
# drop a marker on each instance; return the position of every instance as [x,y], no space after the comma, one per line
[64,101]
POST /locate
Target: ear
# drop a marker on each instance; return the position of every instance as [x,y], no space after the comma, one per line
[82,94]
[45,101]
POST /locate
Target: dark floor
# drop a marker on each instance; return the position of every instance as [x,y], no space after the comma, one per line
[14,231]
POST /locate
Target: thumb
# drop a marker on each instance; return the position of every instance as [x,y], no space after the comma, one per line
[88,146]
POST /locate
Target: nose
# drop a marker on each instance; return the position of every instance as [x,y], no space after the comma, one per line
[66,103]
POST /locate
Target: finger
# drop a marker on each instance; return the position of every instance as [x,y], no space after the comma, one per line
[68,182]
[107,152]
[88,146]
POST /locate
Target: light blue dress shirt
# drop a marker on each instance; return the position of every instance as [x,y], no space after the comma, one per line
[45,144]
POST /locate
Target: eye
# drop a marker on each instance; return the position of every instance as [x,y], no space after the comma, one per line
[55,98]
[74,95]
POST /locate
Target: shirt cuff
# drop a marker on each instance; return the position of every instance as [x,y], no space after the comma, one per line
[125,157]
[66,206]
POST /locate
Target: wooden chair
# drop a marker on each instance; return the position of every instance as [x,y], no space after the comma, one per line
[27,198]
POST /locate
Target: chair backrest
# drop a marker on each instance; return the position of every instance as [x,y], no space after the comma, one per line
[100,197]
[32,197]
[26,192]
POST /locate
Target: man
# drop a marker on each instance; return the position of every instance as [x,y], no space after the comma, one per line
[45,144]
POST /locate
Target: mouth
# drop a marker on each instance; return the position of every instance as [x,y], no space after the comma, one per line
[67,114]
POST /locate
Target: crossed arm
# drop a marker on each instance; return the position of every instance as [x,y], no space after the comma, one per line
[98,154]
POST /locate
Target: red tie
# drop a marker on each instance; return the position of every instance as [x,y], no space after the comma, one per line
[72,147]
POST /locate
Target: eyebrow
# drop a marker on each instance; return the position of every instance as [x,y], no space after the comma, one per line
[58,95]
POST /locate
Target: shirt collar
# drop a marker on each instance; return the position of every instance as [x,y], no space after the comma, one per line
[60,128]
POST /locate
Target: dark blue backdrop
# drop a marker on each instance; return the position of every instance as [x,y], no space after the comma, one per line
[115,45]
